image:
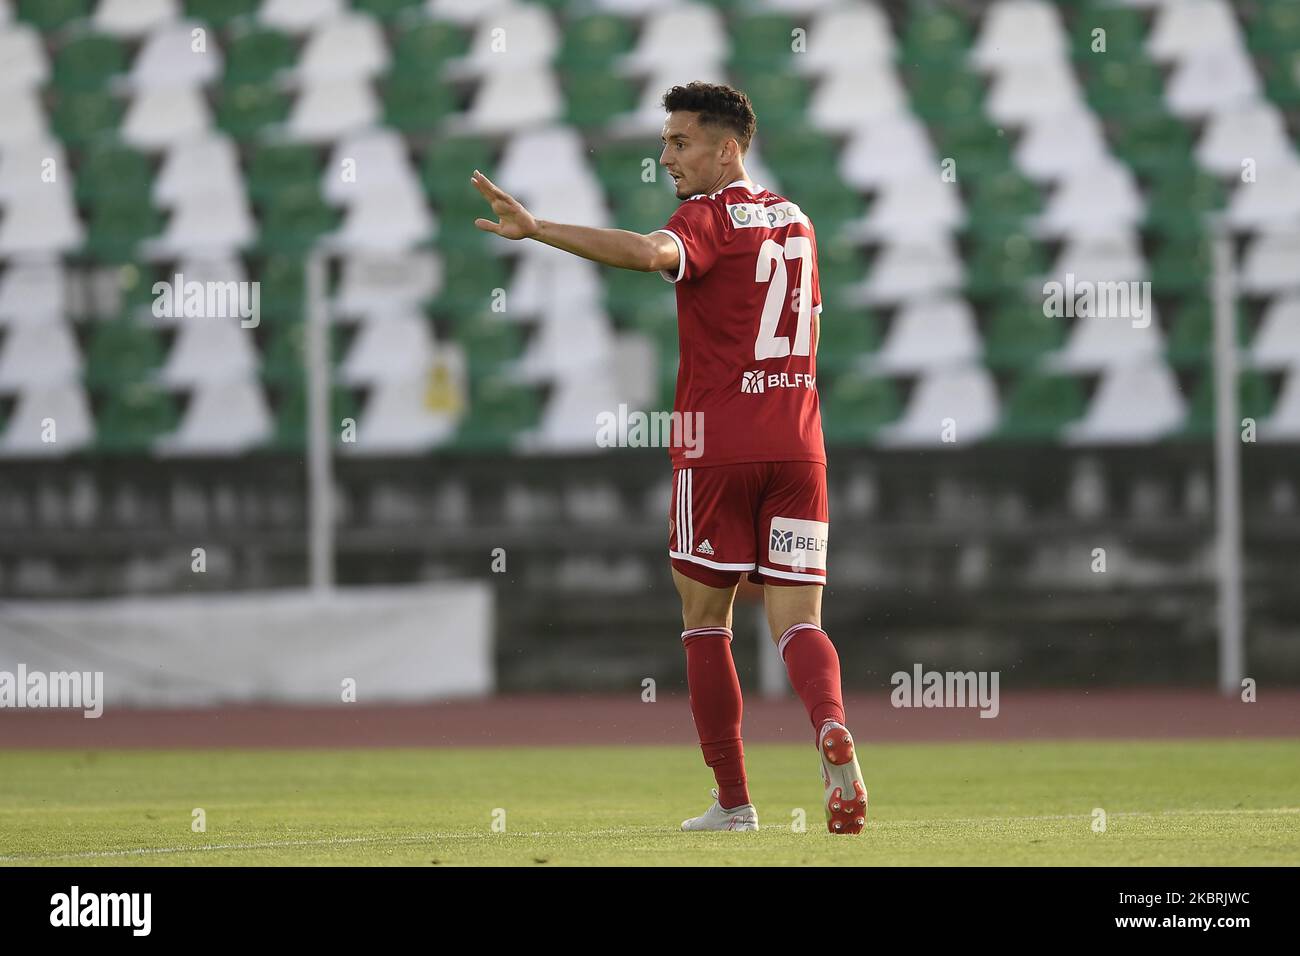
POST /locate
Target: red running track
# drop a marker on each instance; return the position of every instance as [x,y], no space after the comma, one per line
[577,720]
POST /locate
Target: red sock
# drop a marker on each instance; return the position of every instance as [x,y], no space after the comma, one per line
[814,670]
[716,706]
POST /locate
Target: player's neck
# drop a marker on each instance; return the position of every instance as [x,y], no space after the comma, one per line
[736,174]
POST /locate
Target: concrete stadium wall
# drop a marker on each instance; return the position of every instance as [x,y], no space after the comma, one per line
[403,644]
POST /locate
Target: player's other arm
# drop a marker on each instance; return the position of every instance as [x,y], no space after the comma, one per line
[612,247]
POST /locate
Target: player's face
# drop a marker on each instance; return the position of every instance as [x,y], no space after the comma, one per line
[691,155]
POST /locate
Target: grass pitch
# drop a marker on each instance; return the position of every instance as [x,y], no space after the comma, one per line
[1166,803]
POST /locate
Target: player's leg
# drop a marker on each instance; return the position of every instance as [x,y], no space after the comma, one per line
[793,533]
[704,512]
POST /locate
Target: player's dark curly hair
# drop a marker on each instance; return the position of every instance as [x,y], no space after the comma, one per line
[718,105]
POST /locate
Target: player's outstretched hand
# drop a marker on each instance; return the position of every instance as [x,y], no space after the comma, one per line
[516,221]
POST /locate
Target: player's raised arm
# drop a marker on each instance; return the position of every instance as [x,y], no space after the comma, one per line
[612,247]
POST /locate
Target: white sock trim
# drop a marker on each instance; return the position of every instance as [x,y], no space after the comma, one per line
[794,629]
[702,631]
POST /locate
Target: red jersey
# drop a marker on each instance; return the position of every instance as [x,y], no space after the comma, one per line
[747,291]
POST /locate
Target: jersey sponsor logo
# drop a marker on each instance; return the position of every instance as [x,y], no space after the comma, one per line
[753,215]
[797,542]
[755,382]
[705,547]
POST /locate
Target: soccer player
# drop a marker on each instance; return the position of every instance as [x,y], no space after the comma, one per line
[749,496]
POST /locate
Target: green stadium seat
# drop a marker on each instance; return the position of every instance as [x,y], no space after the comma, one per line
[448,164]
[246,112]
[295,217]
[489,342]
[389,9]
[469,278]
[1125,88]
[49,16]
[283,290]
[1191,339]
[801,155]
[592,42]
[134,416]
[1180,266]
[1275,27]
[846,335]
[644,207]
[1124,36]
[1005,265]
[418,104]
[1153,145]
[120,351]
[855,408]
[593,98]
[780,100]
[978,148]
[761,45]
[421,50]
[82,116]
[86,63]
[220,13]
[284,360]
[114,171]
[947,94]
[1039,407]
[498,412]
[254,58]
[291,413]
[1020,334]
[1000,202]
[116,227]
[621,166]
[1178,204]
[273,168]
[640,300]
[935,36]
[1281,75]
[1254,400]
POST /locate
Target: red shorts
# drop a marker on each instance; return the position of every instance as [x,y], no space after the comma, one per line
[769,518]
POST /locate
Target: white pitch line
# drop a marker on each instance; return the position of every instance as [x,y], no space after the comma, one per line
[609,831]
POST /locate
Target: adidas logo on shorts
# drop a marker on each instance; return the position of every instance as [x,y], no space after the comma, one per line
[705,547]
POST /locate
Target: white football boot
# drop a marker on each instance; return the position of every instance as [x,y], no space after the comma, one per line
[715,818]
[846,792]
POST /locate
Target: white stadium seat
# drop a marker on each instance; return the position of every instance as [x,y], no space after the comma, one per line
[161,116]
[324,112]
[1190,27]
[1058,144]
[168,59]
[210,351]
[397,346]
[894,148]
[1269,263]
[846,35]
[965,395]
[299,16]
[911,270]
[36,354]
[513,38]
[1271,202]
[1256,132]
[509,101]
[1277,341]
[1031,90]
[133,18]
[1212,82]
[1095,201]
[1018,31]
[925,334]
[23,55]
[33,291]
[856,97]
[223,418]
[66,406]
[348,47]
[1135,402]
